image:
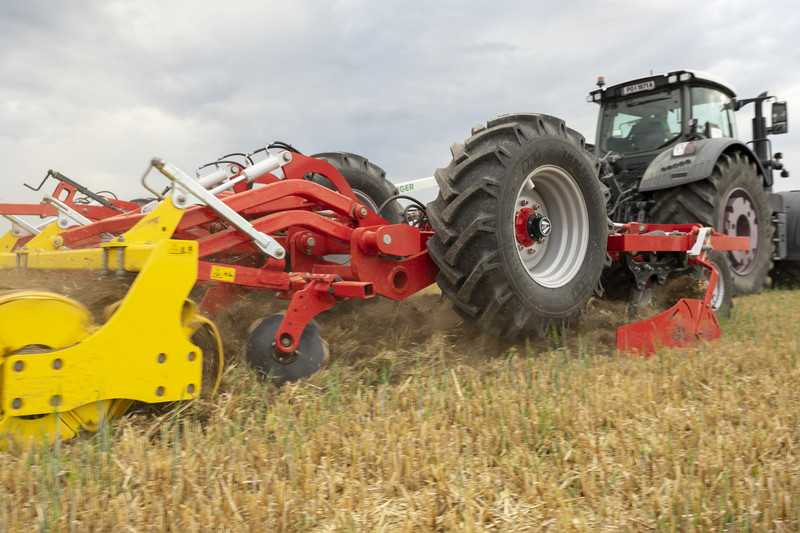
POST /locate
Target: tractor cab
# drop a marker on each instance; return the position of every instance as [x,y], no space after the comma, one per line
[648,115]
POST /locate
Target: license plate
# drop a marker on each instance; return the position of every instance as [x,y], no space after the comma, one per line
[644,86]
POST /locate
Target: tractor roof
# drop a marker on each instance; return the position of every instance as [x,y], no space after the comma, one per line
[656,82]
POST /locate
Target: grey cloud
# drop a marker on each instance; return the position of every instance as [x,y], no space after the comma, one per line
[96,89]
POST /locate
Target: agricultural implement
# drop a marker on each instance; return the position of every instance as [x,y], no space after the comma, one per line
[517,238]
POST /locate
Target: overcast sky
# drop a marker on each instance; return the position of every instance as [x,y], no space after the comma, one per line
[94,89]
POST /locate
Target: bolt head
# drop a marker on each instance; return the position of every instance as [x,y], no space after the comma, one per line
[387,239]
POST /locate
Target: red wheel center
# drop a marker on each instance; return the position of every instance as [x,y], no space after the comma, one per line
[521,226]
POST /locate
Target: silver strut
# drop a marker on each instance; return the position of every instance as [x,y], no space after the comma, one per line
[188,191]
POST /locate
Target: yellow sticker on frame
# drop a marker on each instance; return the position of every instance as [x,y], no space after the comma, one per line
[220,273]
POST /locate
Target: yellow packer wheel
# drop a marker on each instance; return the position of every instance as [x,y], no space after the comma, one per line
[37,322]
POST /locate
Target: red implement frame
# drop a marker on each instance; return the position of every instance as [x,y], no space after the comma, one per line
[313,223]
[689,320]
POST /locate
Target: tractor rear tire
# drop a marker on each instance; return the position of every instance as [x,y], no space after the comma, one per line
[732,201]
[367,180]
[488,267]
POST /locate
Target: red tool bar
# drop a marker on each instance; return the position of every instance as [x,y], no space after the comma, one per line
[622,242]
[39,210]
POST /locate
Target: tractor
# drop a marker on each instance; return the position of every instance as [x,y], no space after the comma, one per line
[670,153]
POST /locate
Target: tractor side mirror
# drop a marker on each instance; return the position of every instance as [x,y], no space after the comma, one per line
[780,118]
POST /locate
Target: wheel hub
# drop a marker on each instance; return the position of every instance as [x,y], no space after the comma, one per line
[551,226]
[538,227]
[740,219]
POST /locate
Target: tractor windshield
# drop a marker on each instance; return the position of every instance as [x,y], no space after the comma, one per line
[641,123]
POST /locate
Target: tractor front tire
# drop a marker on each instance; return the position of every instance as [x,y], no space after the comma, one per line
[732,201]
[496,263]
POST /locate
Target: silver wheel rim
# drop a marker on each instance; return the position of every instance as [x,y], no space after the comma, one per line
[365,200]
[740,219]
[555,261]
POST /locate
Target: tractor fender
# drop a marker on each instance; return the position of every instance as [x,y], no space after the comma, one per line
[676,167]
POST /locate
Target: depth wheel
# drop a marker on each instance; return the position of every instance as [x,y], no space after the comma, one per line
[41,322]
[722,298]
[262,354]
[733,201]
[521,226]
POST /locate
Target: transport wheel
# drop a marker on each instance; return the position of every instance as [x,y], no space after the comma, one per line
[261,353]
[367,180]
[520,225]
[733,201]
[39,322]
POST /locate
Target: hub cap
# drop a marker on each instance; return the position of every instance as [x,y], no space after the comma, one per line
[551,226]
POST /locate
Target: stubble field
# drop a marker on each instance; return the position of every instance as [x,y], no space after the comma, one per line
[418,423]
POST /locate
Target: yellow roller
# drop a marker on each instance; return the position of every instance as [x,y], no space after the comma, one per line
[42,323]
[61,373]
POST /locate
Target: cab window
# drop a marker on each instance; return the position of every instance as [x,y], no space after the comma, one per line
[714,112]
[641,123]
